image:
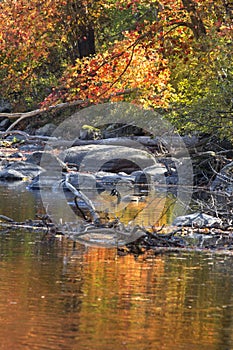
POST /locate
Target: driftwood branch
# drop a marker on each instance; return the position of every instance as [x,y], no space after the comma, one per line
[6,218]
[84,198]
[22,225]
[41,111]
[37,112]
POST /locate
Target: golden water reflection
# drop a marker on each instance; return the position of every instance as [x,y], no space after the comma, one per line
[156,210]
[55,296]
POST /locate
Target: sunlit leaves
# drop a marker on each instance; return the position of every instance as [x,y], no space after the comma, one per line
[28,32]
[151,52]
[130,66]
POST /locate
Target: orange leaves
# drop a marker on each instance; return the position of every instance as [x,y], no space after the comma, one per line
[129,65]
[25,41]
[141,61]
[40,41]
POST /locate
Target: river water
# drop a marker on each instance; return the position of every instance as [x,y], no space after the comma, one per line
[54,295]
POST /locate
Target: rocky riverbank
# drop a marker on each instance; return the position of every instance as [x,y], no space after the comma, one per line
[43,161]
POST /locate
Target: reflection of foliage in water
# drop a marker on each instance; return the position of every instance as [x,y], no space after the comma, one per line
[156,212]
[100,298]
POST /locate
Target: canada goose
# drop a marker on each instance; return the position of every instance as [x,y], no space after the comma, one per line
[128,198]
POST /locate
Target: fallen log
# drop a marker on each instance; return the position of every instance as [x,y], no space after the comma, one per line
[59,106]
[129,240]
[39,112]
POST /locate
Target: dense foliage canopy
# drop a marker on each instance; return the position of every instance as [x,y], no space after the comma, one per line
[173,56]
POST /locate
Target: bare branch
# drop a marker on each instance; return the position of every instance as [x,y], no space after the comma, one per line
[84,198]
[59,106]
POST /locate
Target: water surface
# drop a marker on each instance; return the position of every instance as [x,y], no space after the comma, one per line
[54,295]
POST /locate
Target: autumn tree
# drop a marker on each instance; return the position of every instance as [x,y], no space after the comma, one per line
[162,57]
[173,56]
[203,78]
[27,40]
[37,42]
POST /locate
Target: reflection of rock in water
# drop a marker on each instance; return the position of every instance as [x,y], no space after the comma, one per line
[133,220]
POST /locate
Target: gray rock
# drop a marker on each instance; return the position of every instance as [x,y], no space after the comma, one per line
[197,220]
[16,155]
[49,160]
[119,130]
[82,181]
[11,175]
[107,158]
[156,172]
[5,106]
[89,132]
[30,148]
[108,181]
[47,181]
[4,124]
[3,155]
[152,177]
[20,170]
[191,140]
[99,182]
[46,130]
[16,137]
[142,183]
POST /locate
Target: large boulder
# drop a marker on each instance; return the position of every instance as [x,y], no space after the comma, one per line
[109,158]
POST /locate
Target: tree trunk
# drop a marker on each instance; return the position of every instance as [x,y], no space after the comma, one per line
[86,44]
[79,29]
[198,26]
